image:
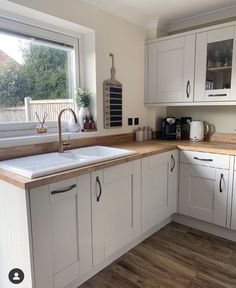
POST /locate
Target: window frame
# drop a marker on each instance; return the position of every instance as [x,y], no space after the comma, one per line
[50,35]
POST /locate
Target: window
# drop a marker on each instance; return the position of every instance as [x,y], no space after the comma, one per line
[37,73]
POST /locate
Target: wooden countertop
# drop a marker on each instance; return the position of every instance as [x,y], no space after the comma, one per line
[142,149]
[208,147]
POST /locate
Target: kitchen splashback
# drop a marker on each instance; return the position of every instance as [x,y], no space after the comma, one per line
[222,118]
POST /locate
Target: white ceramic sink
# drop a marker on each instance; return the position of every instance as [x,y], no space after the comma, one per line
[96,152]
[45,164]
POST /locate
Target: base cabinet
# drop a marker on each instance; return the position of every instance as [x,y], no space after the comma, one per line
[159,188]
[233,219]
[74,227]
[116,198]
[61,231]
[203,193]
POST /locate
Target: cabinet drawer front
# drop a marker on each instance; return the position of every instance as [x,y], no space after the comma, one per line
[205,159]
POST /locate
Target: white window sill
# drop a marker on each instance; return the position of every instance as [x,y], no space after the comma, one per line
[7,142]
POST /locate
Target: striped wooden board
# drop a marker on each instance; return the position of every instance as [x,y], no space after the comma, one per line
[112,93]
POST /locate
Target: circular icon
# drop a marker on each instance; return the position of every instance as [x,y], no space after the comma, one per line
[16,276]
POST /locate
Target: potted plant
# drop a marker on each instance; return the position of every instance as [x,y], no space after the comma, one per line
[83,101]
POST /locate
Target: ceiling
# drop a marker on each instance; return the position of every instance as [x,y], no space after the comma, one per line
[149,13]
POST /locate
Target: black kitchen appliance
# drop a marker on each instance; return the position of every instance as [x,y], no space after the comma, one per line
[185,127]
[171,129]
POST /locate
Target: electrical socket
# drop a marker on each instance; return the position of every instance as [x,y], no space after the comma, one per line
[130,121]
[136,121]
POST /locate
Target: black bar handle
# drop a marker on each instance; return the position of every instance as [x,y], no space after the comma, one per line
[221,178]
[173,160]
[100,188]
[66,189]
[188,89]
[217,95]
[202,159]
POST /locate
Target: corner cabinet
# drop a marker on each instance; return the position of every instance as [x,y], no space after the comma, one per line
[116,200]
[170,70]
[159,188]
[215,65]
[61,231]
[204,186]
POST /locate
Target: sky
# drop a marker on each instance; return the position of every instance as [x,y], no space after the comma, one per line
[11,46]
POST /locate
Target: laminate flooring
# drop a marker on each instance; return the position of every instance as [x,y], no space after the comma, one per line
[175,257]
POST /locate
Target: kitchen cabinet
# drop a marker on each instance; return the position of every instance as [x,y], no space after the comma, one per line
[170,70]
[233,213]
[215,65]
[64,232]
[61,231]
[203,189]
[233,218]
[159,188]
[195,67]
[116,202]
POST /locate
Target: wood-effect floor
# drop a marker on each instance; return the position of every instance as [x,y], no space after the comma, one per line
[175,257]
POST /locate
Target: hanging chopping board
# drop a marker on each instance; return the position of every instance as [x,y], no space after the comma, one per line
[112,94]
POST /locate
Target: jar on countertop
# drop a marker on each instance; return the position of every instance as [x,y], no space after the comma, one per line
[149,133]
[139,136]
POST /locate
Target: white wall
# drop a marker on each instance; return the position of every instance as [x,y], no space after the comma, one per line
[115,35]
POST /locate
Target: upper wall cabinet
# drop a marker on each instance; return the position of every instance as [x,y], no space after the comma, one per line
[170,70]
[215,65]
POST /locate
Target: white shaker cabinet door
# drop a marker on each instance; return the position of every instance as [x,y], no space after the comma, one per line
[233,219]
[203,193]
[61,229]
[215,65]
[170,70]
[173,184]
[115,203]
[159,188]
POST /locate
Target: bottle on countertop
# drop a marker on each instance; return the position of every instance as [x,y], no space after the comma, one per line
[86,123]
[91,123]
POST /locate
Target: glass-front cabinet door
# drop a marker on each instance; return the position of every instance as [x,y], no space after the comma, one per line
[215,65]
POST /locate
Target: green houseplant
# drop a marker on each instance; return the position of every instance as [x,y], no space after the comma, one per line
[83,97]
[83,101]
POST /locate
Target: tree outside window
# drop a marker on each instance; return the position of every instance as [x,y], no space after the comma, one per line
[39,70]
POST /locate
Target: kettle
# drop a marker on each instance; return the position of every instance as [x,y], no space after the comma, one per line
[197,130]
